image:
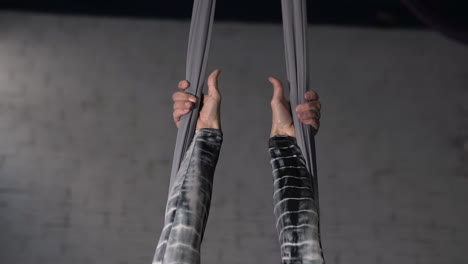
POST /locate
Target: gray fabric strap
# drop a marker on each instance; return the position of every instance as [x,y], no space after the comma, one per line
[295,44]
[197,57]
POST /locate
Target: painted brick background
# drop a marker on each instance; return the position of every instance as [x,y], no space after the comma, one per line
[86,141]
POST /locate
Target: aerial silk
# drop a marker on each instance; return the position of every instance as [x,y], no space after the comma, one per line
[294,13]
[197,57]
[295,27]
[295,44]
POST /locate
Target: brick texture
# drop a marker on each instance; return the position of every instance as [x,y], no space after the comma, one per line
[86,141]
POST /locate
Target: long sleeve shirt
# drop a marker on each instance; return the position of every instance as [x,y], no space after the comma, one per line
[189,201]
[294,206]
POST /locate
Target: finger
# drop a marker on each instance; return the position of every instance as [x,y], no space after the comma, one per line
[311,95]
[315,114]
[213,83]
[183,105]
[178,113]
[314,106]
[183,96]
[278,91]
[307,115]
[313,122]
[184,84]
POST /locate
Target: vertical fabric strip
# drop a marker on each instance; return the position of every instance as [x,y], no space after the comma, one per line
[294,14]
[295,44]
[197,57]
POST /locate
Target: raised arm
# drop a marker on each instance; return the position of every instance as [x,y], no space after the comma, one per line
[294,206]
[293,194]
[188,205]
[189,202]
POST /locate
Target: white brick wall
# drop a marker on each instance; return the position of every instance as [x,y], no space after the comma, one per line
[86,141]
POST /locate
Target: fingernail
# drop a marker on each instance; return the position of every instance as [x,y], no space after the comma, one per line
[192,99]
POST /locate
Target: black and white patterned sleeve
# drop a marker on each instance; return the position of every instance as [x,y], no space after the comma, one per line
[294,205]
[189,201]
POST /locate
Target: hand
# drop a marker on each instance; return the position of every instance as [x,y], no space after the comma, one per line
[282,122]
[209,114]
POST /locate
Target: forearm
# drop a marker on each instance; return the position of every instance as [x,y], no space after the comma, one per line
[189,201]
[294,206]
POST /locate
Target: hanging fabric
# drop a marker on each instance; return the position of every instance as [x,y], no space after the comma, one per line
[294,28]
[197,57]
[294,14]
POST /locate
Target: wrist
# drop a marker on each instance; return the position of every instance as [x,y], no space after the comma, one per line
[212,125]
[280,132]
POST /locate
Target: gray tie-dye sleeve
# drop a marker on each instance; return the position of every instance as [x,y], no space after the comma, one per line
[189,201]
[294,206]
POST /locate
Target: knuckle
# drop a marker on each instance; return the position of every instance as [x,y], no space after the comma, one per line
[178,95]
[216,96]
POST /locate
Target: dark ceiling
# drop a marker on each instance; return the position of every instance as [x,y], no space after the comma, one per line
[357,12]
[380,13]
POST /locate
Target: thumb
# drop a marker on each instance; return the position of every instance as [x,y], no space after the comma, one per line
[213,82]
[278,91]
